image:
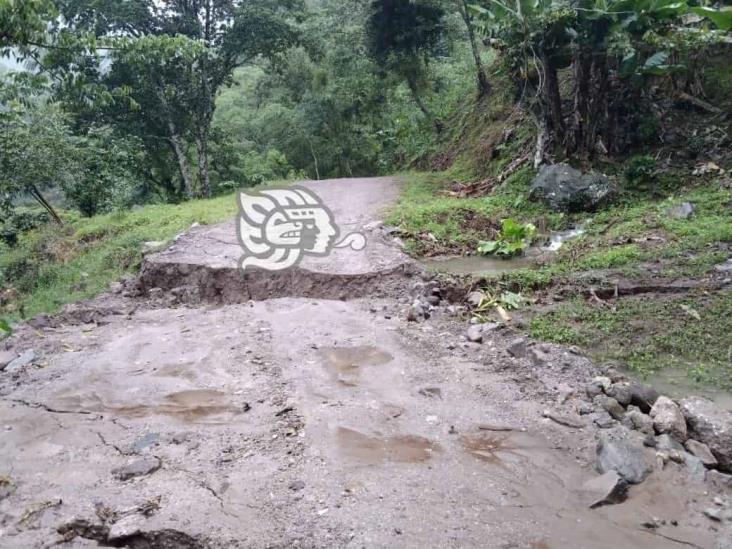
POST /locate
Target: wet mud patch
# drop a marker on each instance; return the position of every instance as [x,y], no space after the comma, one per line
[346,365]
[374,450]
[190,406]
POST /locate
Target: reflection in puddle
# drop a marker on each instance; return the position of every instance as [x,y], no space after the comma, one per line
[345,363]
[402,449]
[487,447]
[191,406]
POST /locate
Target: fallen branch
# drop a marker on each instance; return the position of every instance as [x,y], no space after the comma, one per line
[699,103]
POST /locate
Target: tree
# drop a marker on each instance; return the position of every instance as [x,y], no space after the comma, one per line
[36,150]
[402,36]
[24,22]
[184,53]
[484,86]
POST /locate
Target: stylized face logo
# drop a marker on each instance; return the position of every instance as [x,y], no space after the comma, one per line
[278,226]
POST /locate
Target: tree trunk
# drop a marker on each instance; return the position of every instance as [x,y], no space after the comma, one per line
[203,169]
[553,100]
[36,194]
[484,87]
[185,170]
[422,107]
[582,75]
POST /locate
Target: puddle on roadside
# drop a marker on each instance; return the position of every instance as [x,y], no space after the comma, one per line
[192,406]
[481,265]
[345,364]
[488,447]
[675,382]
[400,449]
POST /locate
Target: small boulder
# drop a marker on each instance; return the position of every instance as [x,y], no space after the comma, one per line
[518,348]
[644,396]
[702,451]
[641,422]
[565,189]
[621,392]
[712,426]
[611,406]
[415,313]
[606,489]
[666,443]
[475,333]
[23,361]
[682,211]
[6,357]
[667,418]
[138,468]
[623,456]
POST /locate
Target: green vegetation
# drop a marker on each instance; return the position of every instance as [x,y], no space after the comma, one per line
[512,239]
[49,267]
[689,333]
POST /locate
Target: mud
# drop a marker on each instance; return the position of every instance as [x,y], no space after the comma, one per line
[309,422]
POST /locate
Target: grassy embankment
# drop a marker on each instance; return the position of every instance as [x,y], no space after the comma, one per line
[633,238]
[53,266]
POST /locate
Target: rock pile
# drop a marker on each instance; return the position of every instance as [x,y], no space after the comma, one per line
[692,431]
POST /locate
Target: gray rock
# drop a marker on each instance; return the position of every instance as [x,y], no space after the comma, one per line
[297,485]
[518,348]
[725,267]
[623,456]
[667,418]
[433,300]
[683,211]
[22,362]
[713,513]
[606,489]
[475,298]
[565,189]
[712,426]
[694,467]
[644,396]
[41,321]
[475,333]
[125,527]
[603,420]
[719,480]
[145,441]
[6,357]
[641,422]
[138,468]
[667,443]
[152,246]
[415,313]
[593,389]
[621,392]
[702,451]
[538,356]
[611,406]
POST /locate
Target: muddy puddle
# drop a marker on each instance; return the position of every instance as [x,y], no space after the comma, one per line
[373,450]
[347,365]
[480,265]
[676,383]
[192,406]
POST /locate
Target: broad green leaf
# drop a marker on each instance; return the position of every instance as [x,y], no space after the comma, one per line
[722,17]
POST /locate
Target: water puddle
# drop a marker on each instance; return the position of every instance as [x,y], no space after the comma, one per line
[193,406]
[346,364]
[675,382]
[481,265]
[488,447]
[373,450]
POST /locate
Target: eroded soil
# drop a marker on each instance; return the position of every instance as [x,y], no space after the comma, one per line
[310,422]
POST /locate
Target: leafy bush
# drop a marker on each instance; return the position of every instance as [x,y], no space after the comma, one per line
[513,239]
[640,170]
[18,222]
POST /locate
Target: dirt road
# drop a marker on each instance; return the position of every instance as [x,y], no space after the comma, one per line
[191,416]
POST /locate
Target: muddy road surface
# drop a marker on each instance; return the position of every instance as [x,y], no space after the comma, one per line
[191,413]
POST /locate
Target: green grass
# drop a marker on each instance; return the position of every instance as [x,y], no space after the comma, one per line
[53,266]
[650,334]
